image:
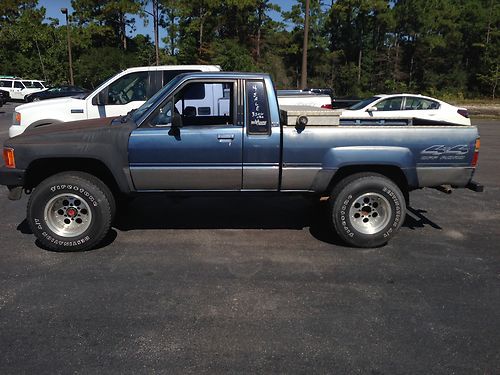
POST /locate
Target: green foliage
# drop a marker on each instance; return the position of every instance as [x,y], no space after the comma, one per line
[446,48]
[232,56]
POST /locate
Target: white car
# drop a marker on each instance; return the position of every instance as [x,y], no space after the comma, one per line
[19,88]
[406,106]
[117,96]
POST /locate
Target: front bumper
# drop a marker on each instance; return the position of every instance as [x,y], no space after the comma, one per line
[15,130]
[12,177]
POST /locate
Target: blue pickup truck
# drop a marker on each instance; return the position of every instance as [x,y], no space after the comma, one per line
[224,132]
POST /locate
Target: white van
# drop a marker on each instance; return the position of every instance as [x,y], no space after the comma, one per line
[118,95]
[19,88]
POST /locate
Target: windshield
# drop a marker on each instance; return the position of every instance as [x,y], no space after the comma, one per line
[156,98]
[100,85]
[363,103]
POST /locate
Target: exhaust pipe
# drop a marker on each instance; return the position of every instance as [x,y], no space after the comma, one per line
[444,189]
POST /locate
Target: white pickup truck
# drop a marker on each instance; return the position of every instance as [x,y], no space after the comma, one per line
[116,96]
[128,90]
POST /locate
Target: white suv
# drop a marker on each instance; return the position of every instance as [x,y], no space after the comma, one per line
[116,96]
[19,88]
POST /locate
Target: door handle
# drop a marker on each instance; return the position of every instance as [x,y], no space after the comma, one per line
[225,137]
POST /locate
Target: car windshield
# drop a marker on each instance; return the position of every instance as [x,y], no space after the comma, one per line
[156,98]
[363,103]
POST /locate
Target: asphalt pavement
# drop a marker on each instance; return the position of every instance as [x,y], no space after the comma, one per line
[259,285]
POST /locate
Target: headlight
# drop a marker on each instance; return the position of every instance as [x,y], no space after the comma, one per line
[16,118]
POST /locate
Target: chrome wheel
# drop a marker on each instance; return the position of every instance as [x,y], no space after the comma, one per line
[370,213]
[67,215]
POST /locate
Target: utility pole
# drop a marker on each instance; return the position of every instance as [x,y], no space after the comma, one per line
[303,77]
[65,12]
[155,24]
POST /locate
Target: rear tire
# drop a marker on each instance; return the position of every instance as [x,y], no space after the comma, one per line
[70,211]
[367,209]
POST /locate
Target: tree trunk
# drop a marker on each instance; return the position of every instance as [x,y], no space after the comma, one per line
[123,25]
[259,26]
[171,32]
[200,41]
[488,32]
[495,83]
[396,58]
[359,65]
[303,78]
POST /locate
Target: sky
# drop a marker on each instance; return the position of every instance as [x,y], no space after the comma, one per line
[53,8]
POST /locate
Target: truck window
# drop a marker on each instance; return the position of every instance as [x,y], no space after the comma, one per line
[18,85]
[6,84]
[129,88]
[199,104]
[257,108]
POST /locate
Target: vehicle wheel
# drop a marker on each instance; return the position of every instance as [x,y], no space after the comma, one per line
[35,99]
[367,209]
[70,211]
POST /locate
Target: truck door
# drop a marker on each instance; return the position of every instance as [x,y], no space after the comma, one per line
[187,144]
[262,141]
[17,91]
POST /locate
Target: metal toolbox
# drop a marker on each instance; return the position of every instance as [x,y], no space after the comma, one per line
[309,116]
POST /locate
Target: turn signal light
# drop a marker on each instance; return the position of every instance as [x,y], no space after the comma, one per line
[476,153]
[8,157]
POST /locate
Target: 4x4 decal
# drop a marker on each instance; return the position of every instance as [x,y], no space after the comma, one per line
[443,152]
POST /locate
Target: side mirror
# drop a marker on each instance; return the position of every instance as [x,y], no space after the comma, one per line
[177,121]
[100,99]
[372,109]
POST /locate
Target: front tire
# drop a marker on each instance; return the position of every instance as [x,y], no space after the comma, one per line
[367,209]
[70,211]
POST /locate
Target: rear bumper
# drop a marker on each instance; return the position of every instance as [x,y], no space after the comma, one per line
[12,177]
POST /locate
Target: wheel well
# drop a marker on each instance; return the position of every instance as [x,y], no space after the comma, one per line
[393,173]
[41,169]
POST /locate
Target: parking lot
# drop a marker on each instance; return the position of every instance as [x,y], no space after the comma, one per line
[259,285]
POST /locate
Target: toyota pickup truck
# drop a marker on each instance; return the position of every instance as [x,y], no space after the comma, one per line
[241,142]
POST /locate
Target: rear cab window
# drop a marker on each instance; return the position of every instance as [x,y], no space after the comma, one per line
[258,119]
